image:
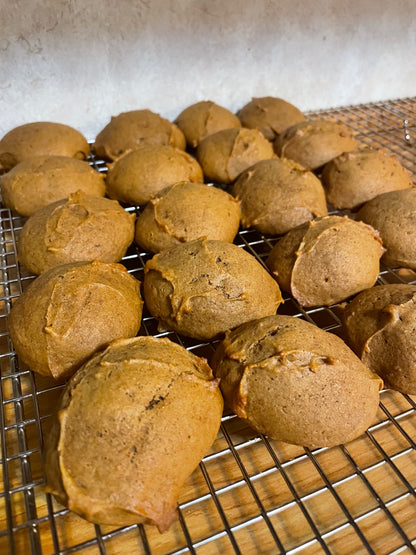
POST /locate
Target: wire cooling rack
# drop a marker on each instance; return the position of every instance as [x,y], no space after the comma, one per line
[249,495]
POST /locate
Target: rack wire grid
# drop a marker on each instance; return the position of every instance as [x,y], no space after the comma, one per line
[250,494]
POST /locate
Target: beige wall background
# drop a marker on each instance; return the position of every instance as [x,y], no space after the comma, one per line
[80,62]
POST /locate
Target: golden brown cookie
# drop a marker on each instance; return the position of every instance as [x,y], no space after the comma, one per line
[313,143]
[41,138]
[131,426]
[204,118]
[38,181]
[131,130]
[80,228]
[225,154]
[393,215]
[139,175]
[269,114]
[72,310]
[355,177]
[277,195]
[327,260]
[380,326]
[203,288]
[187,211]
[296,382]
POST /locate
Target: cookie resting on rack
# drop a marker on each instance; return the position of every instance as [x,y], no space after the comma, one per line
[393,215]
[131,426]
[353,178]
[185,212]
[72,310]
[202,288]
[225,154]
[326,260]
[41,180]
[204,118]
[380,327]
[295,382]
[41,138]
[137,176]
[277,195]
[80,228]
[313,143]
[133,129]
[271,115]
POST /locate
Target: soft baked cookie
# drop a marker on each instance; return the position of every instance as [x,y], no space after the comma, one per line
[204,118]
[139,175]
[393,215]
[70,311]
[40,180]
[130,130]
[187,211]
[269,114]
[225,154]
[203,288]
[313,143]
[82,227]
[327,260]
[131,426]
[355,177]
[296,382]
[40,138]
[380,326]
[277,195]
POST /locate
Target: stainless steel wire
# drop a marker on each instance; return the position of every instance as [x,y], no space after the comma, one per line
[250,494]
